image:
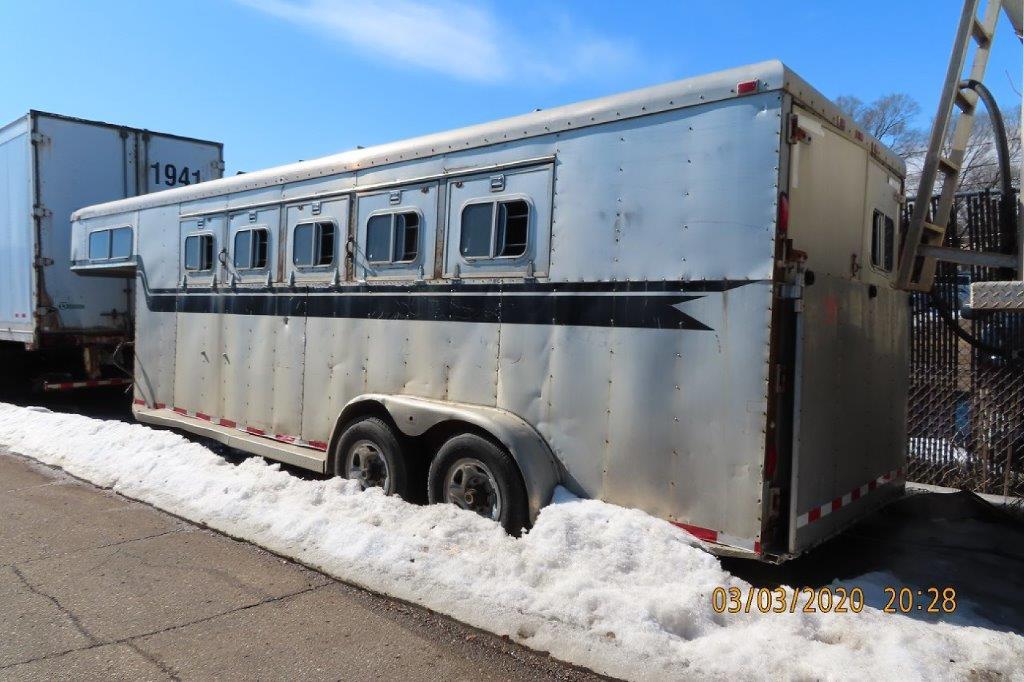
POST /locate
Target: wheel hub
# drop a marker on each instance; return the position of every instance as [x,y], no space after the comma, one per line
[366,464]
[471,485]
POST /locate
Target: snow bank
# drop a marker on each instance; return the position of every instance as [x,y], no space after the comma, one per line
[605,587]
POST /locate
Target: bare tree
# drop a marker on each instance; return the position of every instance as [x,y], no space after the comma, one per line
[890,119]
[980,168]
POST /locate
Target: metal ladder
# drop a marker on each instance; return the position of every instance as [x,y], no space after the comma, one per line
[923,246]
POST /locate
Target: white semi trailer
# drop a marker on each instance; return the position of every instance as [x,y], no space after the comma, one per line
[51,165]
[678,299]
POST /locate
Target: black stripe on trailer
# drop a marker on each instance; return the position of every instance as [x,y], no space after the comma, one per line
[647,305]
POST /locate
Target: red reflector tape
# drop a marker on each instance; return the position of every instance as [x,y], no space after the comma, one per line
[698,532]
[718,538]
[816,513]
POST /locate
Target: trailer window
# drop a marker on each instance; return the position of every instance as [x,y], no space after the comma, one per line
[475,239]
[199,252]
[393,237]
[110,244]
[251,249]
[883,241]
[313,244]
[121,242]
[495,229]
[99,245]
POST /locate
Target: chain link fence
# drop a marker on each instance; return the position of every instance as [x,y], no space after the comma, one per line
[965,417]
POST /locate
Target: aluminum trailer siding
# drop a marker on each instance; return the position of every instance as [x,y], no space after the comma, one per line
[51,165]
[677,299]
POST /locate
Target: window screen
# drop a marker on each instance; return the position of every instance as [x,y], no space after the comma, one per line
[199,252]
[407,231]
[313,244]
[513,224]
[495,229]
[393,237]
[251,249]
[324,244]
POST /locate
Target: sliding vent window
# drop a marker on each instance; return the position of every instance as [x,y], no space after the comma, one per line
[251,249]
[110,244]
[99,245]
[121,242]
[883,241]
[313,244]
[498,229]
[393,238]
[199,252]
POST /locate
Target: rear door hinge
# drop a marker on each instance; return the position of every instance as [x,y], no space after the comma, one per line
[40,211]
[780,378]
[774,502]
[43,261]
[39,138]
[789,291]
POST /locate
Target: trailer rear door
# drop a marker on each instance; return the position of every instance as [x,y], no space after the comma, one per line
[17,239]
[851,354]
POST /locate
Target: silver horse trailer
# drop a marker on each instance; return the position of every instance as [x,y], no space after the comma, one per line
[677,299]
[51,165]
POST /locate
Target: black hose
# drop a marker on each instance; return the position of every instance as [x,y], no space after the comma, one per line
[998,129]
[1005,215]
[947,315]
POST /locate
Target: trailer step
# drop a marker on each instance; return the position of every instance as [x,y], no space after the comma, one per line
[91,383]
[306,456]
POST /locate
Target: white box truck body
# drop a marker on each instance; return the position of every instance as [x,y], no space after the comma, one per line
[51,165]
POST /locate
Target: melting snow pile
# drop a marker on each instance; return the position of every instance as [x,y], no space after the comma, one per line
[609,588]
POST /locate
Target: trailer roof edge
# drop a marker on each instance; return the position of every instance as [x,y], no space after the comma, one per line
[116,126]
[771,75]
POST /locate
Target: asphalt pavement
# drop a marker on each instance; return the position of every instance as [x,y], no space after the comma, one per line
[96,586]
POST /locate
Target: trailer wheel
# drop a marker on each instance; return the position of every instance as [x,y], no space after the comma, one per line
[475,474]
[369,452]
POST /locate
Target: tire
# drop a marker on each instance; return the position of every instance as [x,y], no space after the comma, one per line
[475,474]
[368,451]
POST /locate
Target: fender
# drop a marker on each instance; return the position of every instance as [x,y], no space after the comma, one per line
[414,416]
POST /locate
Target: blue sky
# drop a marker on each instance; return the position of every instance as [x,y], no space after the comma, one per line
[280,80]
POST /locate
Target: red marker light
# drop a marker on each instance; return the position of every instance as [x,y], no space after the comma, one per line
[771,461]
[782,224]
[746,87]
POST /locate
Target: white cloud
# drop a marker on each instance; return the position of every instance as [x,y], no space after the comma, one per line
[467,41]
